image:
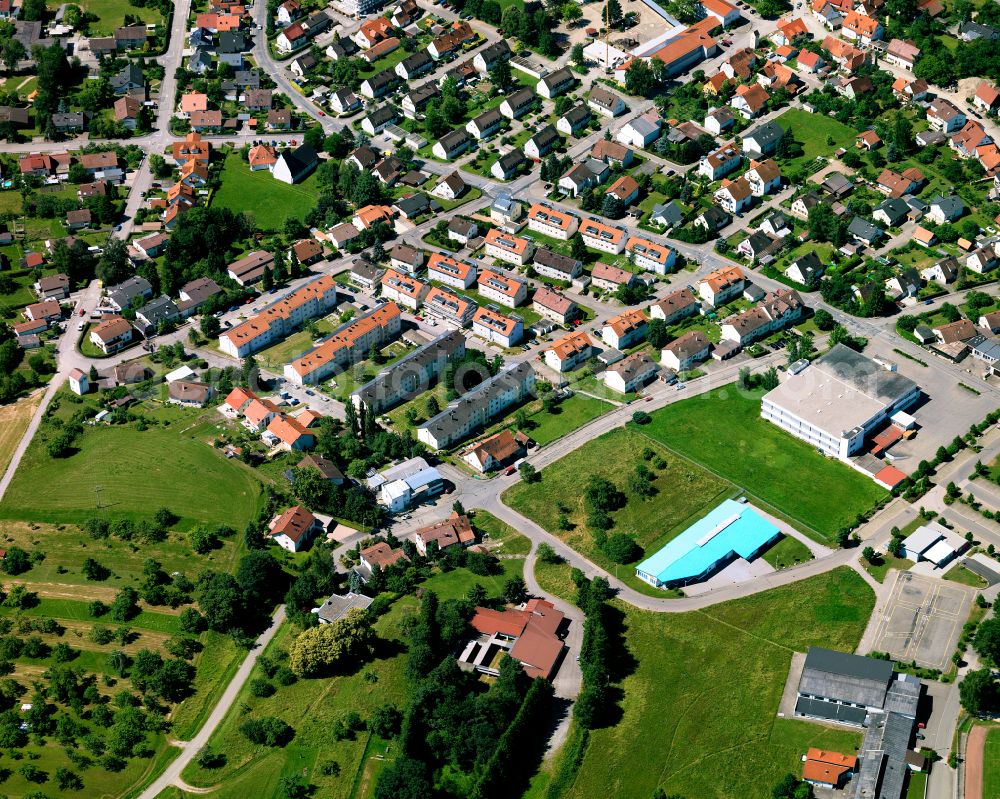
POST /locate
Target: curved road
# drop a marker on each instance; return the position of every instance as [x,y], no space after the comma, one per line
[172,774]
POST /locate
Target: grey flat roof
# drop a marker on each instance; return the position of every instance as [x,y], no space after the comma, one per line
[841,391]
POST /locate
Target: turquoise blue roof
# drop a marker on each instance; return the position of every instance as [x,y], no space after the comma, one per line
[730,527]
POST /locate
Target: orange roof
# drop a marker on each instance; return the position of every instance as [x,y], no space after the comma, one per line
[550,217]
[372,214]
[239,397]
[923,235]
[192,147]
[723,277]
[792,27]
[833,758]
[346,338]
[494,321]
[890,476]
[988,94]
[294,522]
[441,299]
[650,249]
[569,346]
[514,244]
[598,230]
[823,772]
[505,622]
[449,266]
[287,429]
[698,36]
[375,28]
[861,24]
[627,321]
[111,328]
[283,309]
[403,284]
[720,7]
[193,101]
[258,410]
[624,187]
[262,155]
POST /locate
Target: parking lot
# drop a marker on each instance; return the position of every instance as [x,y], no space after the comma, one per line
[922,620]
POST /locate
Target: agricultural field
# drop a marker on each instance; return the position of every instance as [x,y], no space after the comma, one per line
[683,492]
[722,430]
[257,194]
[678,665]
[122,471]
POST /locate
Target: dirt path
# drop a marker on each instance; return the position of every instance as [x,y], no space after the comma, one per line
[974,762]
[86,593]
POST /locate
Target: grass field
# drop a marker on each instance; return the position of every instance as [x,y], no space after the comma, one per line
[991,765]
[111,14]
[698,713]
[723,431]
[684,492]
[566,417]
[811,131]
[879,569]
[312,706]
[961,575]
[269,201]
[295,345]
[14,420]
[787,552]
[503,538]
[134,472]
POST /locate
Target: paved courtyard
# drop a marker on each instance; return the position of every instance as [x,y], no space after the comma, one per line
[922,620]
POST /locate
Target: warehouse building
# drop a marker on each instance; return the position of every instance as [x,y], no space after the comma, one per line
[838,401]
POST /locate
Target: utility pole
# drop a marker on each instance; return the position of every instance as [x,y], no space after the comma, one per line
[97,495]
[607,37]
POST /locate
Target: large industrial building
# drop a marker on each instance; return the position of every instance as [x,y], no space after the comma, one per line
[848,689]
[838,401]
[731,530]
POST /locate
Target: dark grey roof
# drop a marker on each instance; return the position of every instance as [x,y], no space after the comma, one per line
[410,375]
[232,42]
[422,94]
[382,116]
[869,378]
[338,606]
[670,213]
[417,61]
[715,216]
[895,208]
[832,711]
[452,141]
[458,414]
[558,78]
[411,206]
[488,119]
[510,161]
[124,293]
[557,261]
[904,695]
[767,134]
[343,47]
[159,310]
[247,78]
[499,50]
[520,98]
[863,229]
[545,137]
[839,675]
[300,160]
[952,205]
[577,115]
[130,75]
[381,79]
[883,768]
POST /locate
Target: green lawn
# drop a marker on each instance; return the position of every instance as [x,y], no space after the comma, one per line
[566,417]
[505,538]
[698,708]
[991,765]
[881,567]
[133,473]
[684,492]
[269,201]
[787,552]
[916,786]
[811,131]
[312,706]
[591,385]
[111,14]
[290,348]
[723,431]
[959,574]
